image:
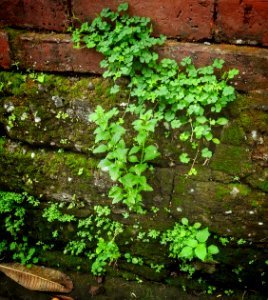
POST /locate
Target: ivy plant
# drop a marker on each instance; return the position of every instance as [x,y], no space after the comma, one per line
[185,98]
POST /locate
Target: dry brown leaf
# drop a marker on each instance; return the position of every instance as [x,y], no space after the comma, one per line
[38,278]
[62,297]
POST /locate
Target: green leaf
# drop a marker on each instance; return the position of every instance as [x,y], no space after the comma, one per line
[184,136]
[115,89]
[186,252]
[134,150]
[228,90]
[184,221]
[206,153]
[216,141]
[184,158]
[133,158]
[201,119]
[100,149]
[212,249]
[191,243]
[122,7]
[150,153]
[222,121]
[202,235]
[201,251]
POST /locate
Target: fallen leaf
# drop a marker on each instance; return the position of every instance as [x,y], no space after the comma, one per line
[38,278]
[62,297]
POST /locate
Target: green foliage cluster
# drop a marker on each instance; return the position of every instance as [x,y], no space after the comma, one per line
[125,165]
[187,242]
[185,98]
[14,234]
[94,236]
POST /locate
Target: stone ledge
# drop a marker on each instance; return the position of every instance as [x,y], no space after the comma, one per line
[55,53]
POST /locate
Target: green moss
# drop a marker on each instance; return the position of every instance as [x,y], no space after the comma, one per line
[232,160]
[233,134]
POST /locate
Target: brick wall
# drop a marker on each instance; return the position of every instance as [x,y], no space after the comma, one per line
[34,33]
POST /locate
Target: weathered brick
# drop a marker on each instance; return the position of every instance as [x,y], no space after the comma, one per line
[187,20]
[5,61]
[45,14]
[54,52]
[252,62]
[243,21]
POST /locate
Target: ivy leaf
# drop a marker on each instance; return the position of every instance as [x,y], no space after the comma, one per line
[100,149]
[150,153]
[186,252]
[184,158]
[212,249]
[115,89]
[218,63]
[191,243]
[228,90]
[201,251]
[222,121]
[184,221]
[216,141]
[202,235]
[122,7]
[184,136]
[206,153]
[232,73]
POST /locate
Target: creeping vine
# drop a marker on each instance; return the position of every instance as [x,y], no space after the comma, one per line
[182,96]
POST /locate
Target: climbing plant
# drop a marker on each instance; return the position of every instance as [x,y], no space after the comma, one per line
[183,97]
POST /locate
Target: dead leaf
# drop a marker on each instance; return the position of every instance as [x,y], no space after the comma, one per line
[38,278]
[62,297]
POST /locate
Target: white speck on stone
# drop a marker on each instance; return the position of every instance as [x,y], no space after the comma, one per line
[251,212]
[37,119]
[32,155]
[179,209]
[228,212]
[24,116]
[9,107]
[207,43]
[234,192]
[239,41]
[70,179]
[260,223]
[254,135]
[191,190]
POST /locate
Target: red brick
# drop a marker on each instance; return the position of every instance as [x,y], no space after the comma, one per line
[54,52]
[252,62]
[5,61]
[187,20]
[242,21]
[45,14]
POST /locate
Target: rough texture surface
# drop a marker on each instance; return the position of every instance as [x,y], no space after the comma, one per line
[55,53]
[5,60]
[49,15]
[189,20]
[242,22]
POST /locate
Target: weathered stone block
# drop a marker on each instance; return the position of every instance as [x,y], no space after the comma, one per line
[5,61]
[251,62]
[55,53]
[50,15]
[242,21]
[187,20]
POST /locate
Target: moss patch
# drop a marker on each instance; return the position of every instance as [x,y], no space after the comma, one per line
[232,160]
